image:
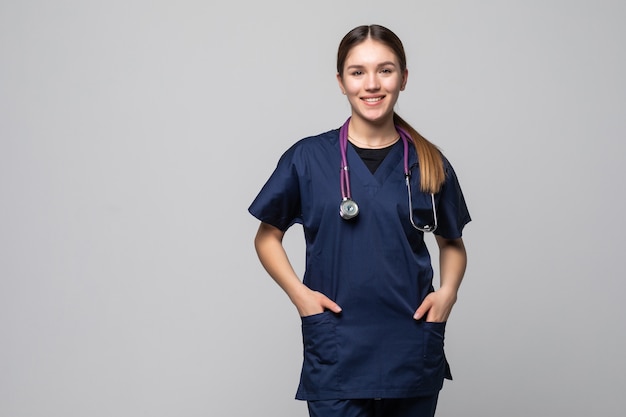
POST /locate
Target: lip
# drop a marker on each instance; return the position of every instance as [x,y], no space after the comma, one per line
[373,100]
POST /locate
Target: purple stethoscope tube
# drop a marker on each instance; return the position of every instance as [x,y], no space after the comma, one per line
[348,207]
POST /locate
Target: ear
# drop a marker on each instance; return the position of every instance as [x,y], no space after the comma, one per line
[340,82]
[405,78]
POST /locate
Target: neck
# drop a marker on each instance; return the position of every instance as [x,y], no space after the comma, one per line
[367,135]
[367,145]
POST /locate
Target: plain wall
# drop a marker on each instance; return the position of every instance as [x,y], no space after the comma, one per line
[135,134]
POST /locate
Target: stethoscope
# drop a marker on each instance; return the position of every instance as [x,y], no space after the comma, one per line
[348,208]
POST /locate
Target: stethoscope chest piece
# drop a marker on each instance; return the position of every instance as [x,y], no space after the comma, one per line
[348,209]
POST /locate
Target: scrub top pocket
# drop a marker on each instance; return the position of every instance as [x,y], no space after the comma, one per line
[423,207]
[319,338]
[319,369]
[436,366]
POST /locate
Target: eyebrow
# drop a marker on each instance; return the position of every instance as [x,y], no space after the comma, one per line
[382,64]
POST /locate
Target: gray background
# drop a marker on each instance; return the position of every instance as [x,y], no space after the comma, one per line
[134,135]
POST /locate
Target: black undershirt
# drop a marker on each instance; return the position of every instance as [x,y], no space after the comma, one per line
[372,157]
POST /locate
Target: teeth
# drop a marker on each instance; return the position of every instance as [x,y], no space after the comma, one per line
[372,100]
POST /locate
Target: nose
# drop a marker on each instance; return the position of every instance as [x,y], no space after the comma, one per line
[371,83]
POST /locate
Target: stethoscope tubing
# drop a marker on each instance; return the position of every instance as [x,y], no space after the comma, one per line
[346,194]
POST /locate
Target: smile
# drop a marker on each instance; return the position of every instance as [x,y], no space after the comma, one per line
[372,100]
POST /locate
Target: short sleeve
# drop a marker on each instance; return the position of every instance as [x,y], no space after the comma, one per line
[278,203]
[452,212]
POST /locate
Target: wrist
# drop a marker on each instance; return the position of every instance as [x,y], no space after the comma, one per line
[298,293]
[449,292]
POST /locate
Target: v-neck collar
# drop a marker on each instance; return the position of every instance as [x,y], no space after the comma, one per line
[386,167]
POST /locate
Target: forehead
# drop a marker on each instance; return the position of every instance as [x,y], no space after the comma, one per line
[370,52]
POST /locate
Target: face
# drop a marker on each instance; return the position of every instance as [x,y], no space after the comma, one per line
[372,81]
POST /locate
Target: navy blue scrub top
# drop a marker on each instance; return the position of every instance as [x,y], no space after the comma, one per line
[376,266]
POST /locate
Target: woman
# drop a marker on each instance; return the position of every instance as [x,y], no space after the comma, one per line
[372,323]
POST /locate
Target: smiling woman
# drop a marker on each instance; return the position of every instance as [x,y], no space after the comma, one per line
[373,324]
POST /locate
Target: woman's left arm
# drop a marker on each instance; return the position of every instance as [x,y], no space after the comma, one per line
[452,263]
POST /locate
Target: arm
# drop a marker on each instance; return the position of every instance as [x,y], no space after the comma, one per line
[452,263]
[269,248]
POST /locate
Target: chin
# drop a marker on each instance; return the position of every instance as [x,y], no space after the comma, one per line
[377,117]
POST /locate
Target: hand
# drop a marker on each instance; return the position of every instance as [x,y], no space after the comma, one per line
[436,306]
[311,302]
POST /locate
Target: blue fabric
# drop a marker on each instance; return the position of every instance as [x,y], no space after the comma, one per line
[375,266]
[396,407]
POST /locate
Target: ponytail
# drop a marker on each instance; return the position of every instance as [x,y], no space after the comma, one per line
[432,174]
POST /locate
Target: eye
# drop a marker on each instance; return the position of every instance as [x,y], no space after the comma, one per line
[386,71]
[357,73]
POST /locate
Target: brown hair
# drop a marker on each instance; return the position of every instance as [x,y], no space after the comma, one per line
[432,174]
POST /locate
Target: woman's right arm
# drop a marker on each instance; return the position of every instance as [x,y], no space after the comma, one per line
[269,247]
